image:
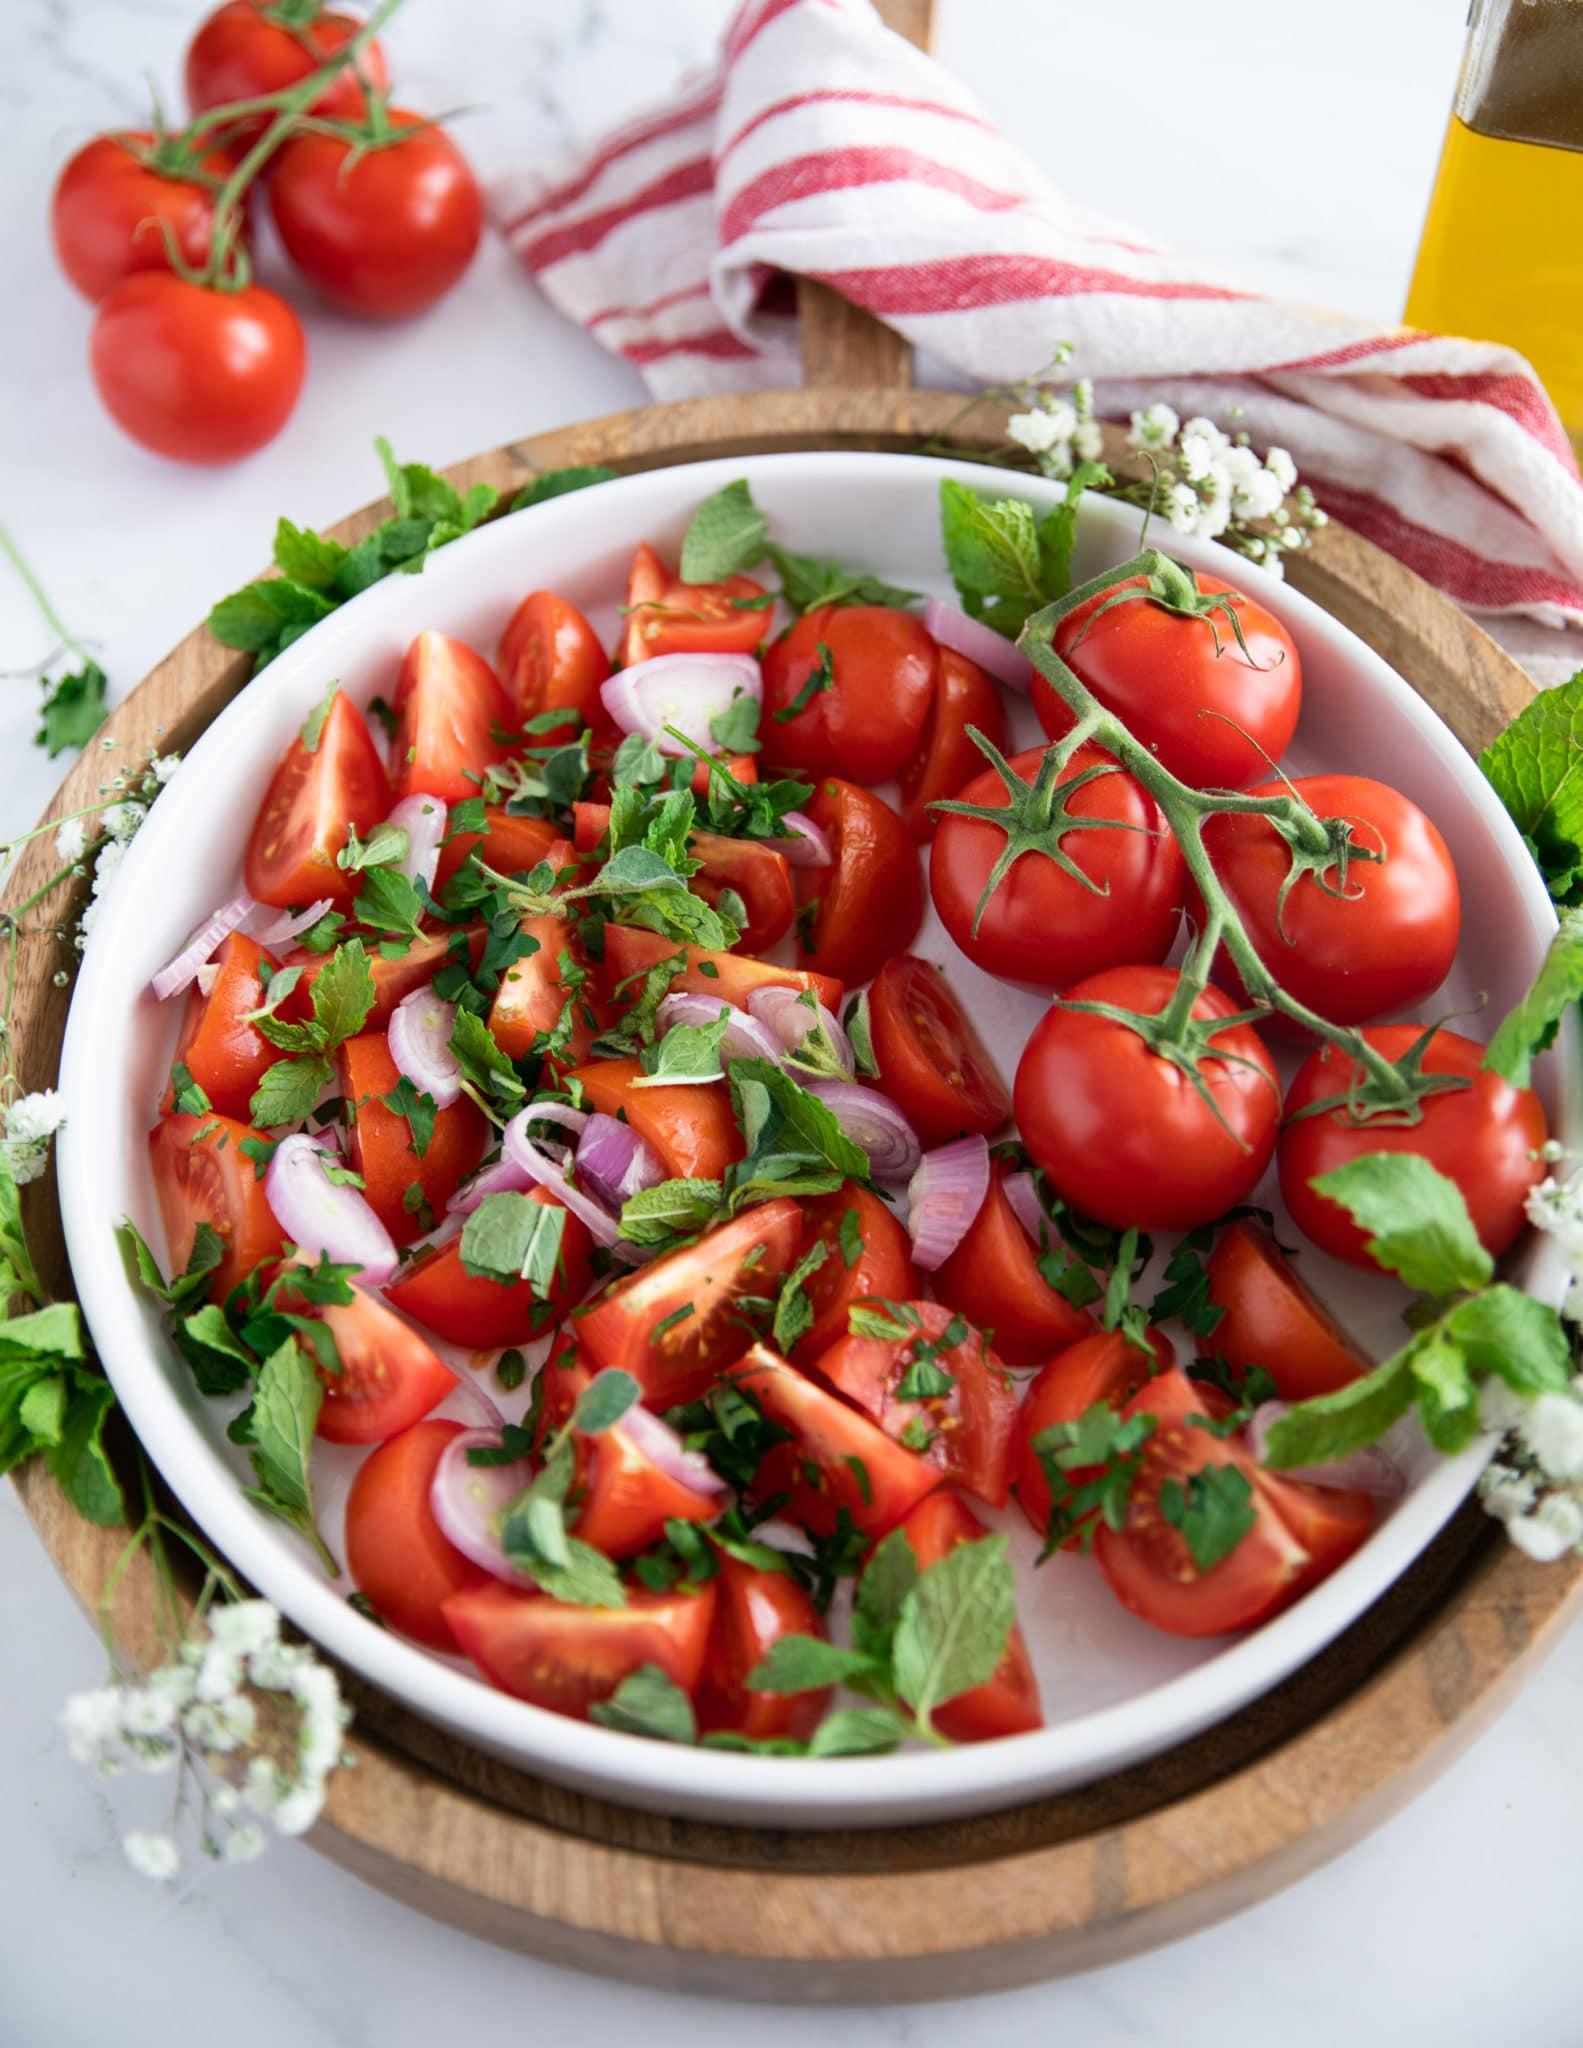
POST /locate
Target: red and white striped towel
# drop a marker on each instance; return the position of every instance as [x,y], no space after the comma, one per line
[825,146]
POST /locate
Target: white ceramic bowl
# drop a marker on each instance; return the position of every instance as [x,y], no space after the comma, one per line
[1115,1690]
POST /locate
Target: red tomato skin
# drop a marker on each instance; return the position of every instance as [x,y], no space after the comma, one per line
[532,995]
[870,899]
[509,844]
[1040,925]
[883,1266]
[1272,1318]
[201,1176]
[395,1551]
[689,1125]
[313,801]
[389,1376]
[385,234]
[1329,1522]
[870,719]
[483,1314]
[663,613]
[193,373]
[568,1659]
[1101,1366]
[106,207]
[1484,1137]
[964,695]
[381,1146]
[238,54]
[1159,673]
[1125,1136]
[447,706]
[626,1499]
[972,1425]
[1389,941]
[931,1060]
[393,979]
[685,1360]
[744,767]
[550,659]
[225,1054]
[753,1610]
[732,977]
[759,874]
[826,1433]
[993,1278]
[1007,1703]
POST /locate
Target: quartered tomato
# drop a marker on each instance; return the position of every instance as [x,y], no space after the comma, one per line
[667,616]
[623,1497]
[690,1125]
[1215,712]
[533,994]
[389,1378]
[867,1254]
[317,795]
[381,1142]
[1007,1703]
[847,691]
[869,902]
[673,1324]
[393,978]
[508,844]
[448,707]
[836,1458]
[225,1054]
[753,1610]
[631,952]
[1271,1317]
[484,1314]
[965,1432]
[931,1061]
[550,659]
[241,51]
[396,1554]
[568,1658]
[1102,1366]
[964,695]
[1485,1137]
[1041,923]
[757,871]
[1330,1522]
[201,1175]
[993,1277]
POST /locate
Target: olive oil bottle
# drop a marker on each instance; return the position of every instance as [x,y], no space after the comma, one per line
[1502,251]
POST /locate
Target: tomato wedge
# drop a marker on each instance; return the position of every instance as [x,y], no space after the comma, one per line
[1007,1703]
[931,1060]
[315,797]
[667,616]
[382,1150]
[395,1552]
[672,1323]
[871,1255]
[550,659]
[202,1176]
[389,1378]
[223,1052]
[752,867]
[1330,1522]
[625,1497]
[448,707]
[753,1610]
[1102,1366]
[965,1433]
[569,1659]
[689,1125]
[486,1315]
[509,844]
[869,902]
[1274,1319]
[946,760]
[836,1459]
[630,952]
[532,994]
[993,1277]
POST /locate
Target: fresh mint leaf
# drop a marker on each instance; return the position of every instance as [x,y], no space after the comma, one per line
[186,1095]
[794,1145]
[794,1316]
[672,1208]
[856,1025]
[1532,1026]
[263,618]
[387,902]
[79,1462]
[1185,1292]
[510,1237]
[279,1437]
[925,1379]
[420,1112]
[888,1578]
[386,846]
[482,1062]
[857,1731]
[1333,1425]
[808,1664]
[289,1089]
[809,582]
[220,1363]
[954,1625]
[1536,769]
[687,1052]
[1057,532]
[609,1395]
[648,1702]
[1508,1334]
[307,558]
[1416,1220]
[727,536]
[556,483]
[736,729]
[992,552]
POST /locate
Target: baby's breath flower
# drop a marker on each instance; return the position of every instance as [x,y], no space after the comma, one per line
[122,820]
[1553,1528]
[35,1117]
[152,1855]
[1552,1429]
[1088,441]
[1154,428]
[163,766]
[71,840]
[1035,431]
[91,1720]
[243,1844]
[245,1626]
[1281,467]
[1506,1492]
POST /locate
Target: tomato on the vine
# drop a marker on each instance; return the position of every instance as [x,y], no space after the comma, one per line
[847,691]
[667,616]
[112,197]
[1127,1135]
[868,903]
[931,1061]
[993,1277]
[242,52]
[1271,1317]
[964,695]
[315,799]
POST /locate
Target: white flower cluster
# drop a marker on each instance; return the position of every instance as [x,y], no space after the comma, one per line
[1212,484]
[257,1722]
[101,836]
[1060,431]
[27,1126]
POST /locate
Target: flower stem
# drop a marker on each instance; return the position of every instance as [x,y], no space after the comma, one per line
[36,591]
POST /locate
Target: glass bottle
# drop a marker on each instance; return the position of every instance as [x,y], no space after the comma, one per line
[1502,252]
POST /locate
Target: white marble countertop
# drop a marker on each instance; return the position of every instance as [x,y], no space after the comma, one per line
[1297,144]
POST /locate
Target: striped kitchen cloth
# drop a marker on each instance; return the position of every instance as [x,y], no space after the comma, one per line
[824,146]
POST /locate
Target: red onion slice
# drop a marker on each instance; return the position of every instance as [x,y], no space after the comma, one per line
[181,972]
[745,1038]
[573,1120]
[944,1196]
[422,818]
[807,846]
[420,1044]
[980,643]
[544,1172]
[785,1012]
[615,1163]
[1368,1470]
[280,931]
[320,1217]
[872,1121]
[488,1410]
[686,691]
[468,1502]
[1023,1202]
[664,1449]
[505,1177]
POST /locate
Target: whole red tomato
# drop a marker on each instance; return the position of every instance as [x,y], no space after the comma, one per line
[863,714]
[110,200]
[386,232]
[1041,923]
[1216,716]
[1348,947]
[194,372]
[1484,1137]
[1127,1136]
[241,52]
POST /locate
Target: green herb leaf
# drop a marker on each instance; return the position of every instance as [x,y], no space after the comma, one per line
[1532,1026]
[672,1208]
[289,1089]
[1536,769]
[384,847]
[648,1702]
[727,536]
[857,1731]
[1416,1218]
[1334,1425]
[794,1316]
[419,1110]
[687,1052]
[807,1664]
[556,483]
[888,1578]
[1213,1512]
[609,1395]
[72,710]
[279,1435]
[510,1237]
[809,582]
[954,1625]
[736,729]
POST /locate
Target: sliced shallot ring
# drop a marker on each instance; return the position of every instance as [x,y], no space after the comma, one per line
[871,1120]
[420,1044]
[971,637]
[291,924]
[181,972]
[468,1501]
[787,1013]
[684,691]
[422,818]
[943,1198]
[745,1038]
[663,1448]
[805,845]
[615,1162]
[546,1173]
[321,1216]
